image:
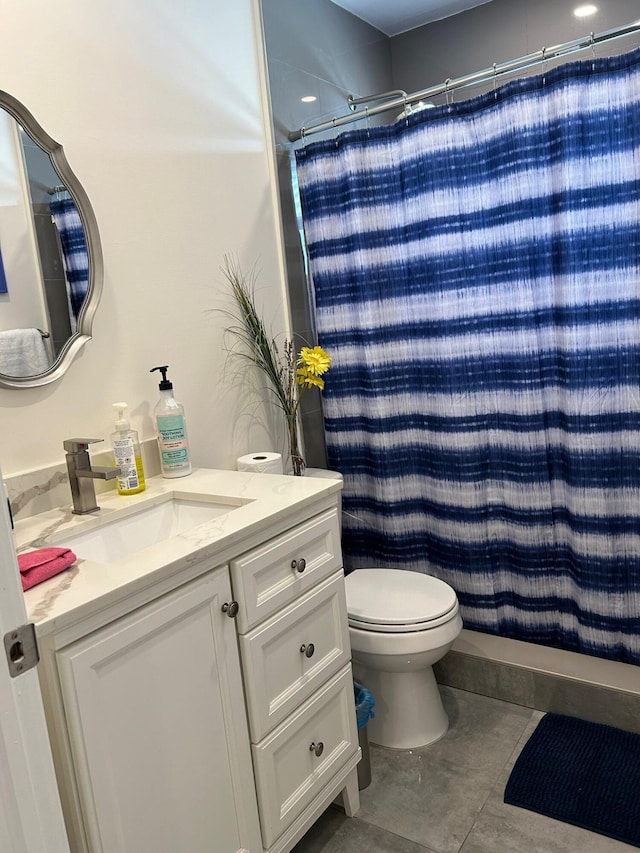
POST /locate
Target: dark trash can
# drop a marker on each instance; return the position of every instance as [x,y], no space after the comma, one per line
[364,712]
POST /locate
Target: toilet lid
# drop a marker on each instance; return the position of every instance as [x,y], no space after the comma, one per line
[391,598]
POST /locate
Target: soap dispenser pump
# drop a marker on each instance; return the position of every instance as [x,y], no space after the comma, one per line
[127,454]
[173,442]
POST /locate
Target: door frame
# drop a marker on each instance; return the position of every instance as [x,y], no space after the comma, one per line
[30,813]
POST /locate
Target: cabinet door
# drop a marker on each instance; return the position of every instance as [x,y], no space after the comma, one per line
[158,732]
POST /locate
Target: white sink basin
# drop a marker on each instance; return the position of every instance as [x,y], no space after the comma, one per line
[121,538]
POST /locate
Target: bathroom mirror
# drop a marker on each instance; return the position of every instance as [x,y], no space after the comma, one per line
[51,267]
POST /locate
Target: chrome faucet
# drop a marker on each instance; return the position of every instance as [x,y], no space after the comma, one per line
[82,475]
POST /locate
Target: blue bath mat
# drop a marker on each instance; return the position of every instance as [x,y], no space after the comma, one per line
[581,773]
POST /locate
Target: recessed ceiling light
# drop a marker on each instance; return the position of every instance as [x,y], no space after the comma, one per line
[585,11]
[308,99]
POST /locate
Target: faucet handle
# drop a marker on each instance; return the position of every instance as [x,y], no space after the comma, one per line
[76,445]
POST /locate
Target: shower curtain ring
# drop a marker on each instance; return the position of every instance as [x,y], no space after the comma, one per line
[404,110]
[544,66]
[446,90]
[495,79]
[366,117]
[592,41]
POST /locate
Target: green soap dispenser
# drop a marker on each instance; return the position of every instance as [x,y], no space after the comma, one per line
[173,442]
[127,454]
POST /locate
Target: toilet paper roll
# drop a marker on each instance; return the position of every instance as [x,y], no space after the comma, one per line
[261,463]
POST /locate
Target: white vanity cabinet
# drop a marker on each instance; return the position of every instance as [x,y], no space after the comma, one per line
[177,728]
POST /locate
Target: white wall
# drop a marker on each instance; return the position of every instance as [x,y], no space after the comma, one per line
[159,107]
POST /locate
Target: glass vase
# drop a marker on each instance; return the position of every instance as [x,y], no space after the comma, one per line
[297,459]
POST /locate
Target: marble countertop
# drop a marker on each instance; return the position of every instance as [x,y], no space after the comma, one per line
[259,505]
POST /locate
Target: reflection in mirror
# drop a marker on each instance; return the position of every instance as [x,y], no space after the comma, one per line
[50,254]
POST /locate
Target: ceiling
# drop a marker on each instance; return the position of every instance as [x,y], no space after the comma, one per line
[397,16]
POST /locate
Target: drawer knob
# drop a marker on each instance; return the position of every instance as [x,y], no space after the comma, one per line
[307,650]
[299,565]
[317,748]
[231,609]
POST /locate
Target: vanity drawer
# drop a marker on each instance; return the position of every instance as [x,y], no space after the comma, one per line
[298,758]
[290,655]
[269,578]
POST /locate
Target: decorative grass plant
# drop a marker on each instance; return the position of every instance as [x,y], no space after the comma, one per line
[288,374]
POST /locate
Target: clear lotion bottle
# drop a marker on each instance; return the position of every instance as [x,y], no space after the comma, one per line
[173,442]
[127,454]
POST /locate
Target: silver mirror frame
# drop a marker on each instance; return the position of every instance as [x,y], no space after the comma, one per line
[94,249]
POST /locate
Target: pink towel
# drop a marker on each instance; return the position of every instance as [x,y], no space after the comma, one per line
[40,565]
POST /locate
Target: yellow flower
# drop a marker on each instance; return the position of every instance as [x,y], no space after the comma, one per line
[303,377]
[314,360]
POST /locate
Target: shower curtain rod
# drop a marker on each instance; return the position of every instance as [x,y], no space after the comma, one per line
[539,57]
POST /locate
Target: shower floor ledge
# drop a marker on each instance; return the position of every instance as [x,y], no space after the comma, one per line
[557,662]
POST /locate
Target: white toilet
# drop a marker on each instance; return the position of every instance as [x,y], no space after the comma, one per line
[400,624]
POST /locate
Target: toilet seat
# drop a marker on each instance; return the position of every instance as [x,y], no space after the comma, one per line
[397,601]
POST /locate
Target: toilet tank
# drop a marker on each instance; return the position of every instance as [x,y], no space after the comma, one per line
[329,475]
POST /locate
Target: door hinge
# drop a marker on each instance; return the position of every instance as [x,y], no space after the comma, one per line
[21,648]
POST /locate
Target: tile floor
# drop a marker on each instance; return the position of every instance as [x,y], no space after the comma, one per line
[448,797]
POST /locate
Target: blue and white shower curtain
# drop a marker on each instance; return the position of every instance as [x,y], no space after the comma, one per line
[66,218]
[477,278]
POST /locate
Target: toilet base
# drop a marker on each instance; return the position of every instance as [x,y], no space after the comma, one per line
[408,712]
